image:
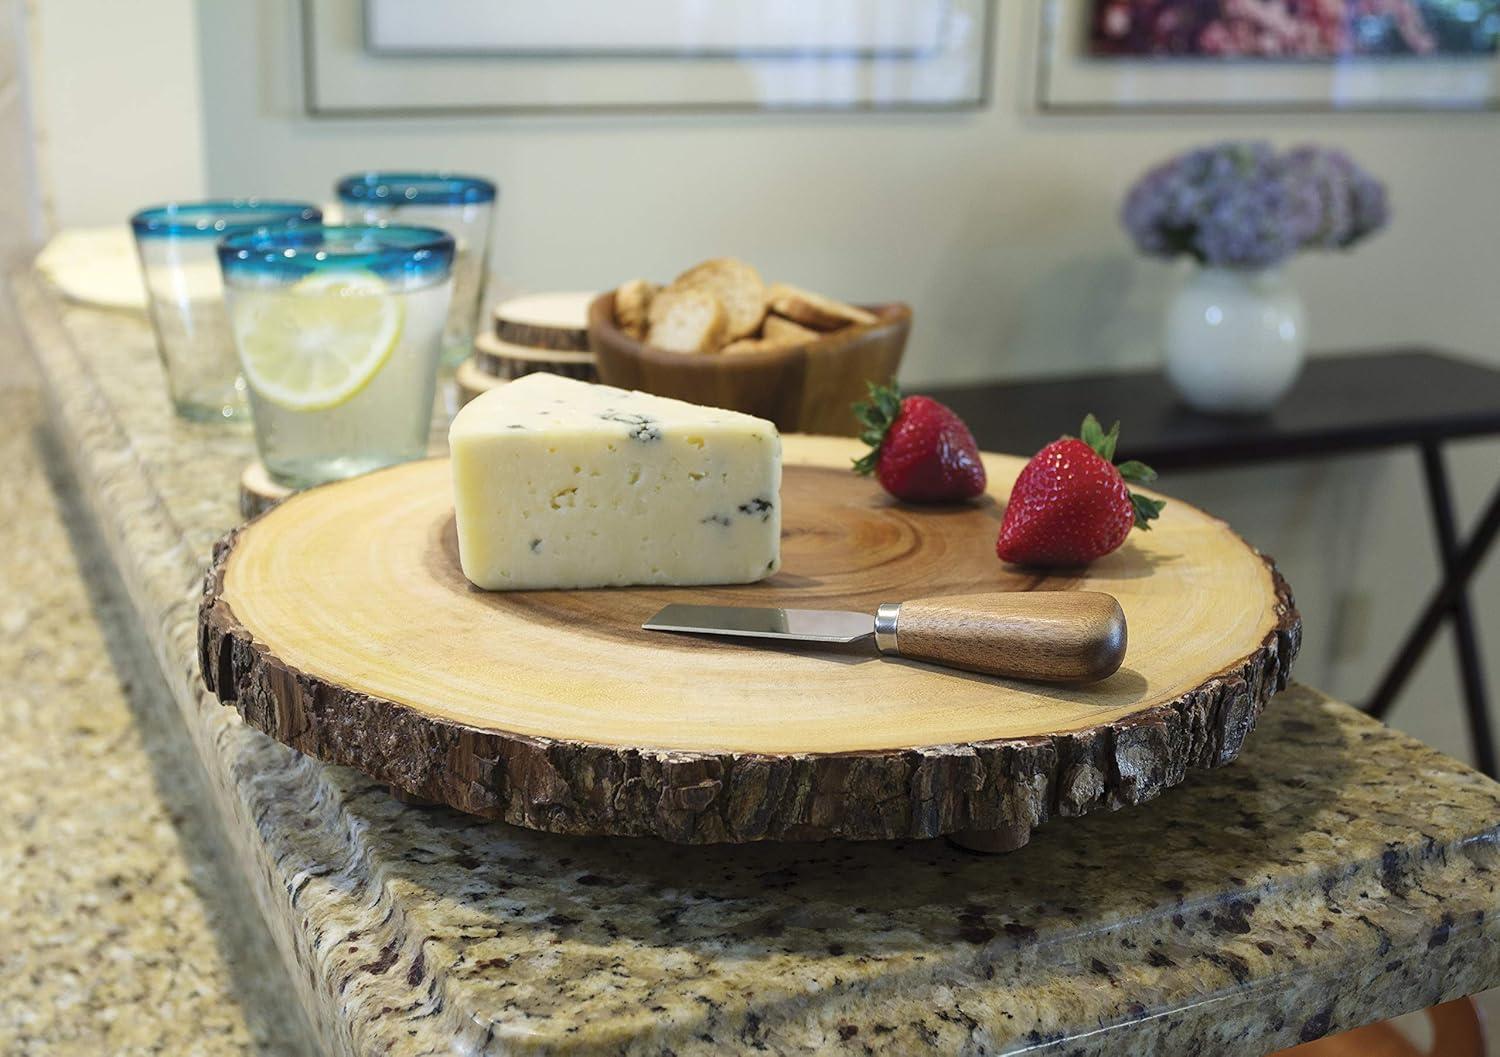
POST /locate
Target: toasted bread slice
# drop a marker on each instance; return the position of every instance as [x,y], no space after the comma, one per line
[777,328]
[662,303]
[632,304]
[738,287]
[815,310]
[760,345]
[686,321]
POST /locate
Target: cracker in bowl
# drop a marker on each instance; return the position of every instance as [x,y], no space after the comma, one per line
[750,317]
[738,287]
[686,320]
[777,328]
[632,305]
[814,310]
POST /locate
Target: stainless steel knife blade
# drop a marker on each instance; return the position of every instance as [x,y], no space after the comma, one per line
[805,625]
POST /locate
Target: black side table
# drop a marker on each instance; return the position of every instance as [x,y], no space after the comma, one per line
[1342,404]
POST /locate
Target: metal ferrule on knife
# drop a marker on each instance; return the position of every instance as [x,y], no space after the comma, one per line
[885,627]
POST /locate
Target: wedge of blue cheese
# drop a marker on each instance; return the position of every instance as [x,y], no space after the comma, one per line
[562,484]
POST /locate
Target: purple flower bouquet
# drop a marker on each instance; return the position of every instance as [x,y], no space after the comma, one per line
[1242,205]
[1235,331]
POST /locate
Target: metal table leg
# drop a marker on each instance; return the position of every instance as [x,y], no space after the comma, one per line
[1466,637]
[1460,562]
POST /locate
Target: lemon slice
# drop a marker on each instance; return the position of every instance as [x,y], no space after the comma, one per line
[317,345]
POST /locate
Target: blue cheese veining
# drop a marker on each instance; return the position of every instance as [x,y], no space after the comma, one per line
[561,484]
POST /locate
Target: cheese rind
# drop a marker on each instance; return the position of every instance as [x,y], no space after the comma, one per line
[562,484]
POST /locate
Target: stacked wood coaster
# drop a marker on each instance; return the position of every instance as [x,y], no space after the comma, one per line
[258,491]
[539,332]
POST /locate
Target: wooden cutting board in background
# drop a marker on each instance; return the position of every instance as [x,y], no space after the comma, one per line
[95,266]
[340,623]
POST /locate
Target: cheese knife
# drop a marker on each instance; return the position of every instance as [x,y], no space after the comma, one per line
[1044,636]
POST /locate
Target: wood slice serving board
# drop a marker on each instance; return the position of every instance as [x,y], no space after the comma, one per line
[339,623]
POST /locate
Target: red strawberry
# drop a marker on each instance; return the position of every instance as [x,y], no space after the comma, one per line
[919,449]
[1070,504]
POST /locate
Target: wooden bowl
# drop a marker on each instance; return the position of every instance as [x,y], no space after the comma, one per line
[803,390]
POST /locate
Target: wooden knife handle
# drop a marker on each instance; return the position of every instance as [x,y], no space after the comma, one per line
[1047,636]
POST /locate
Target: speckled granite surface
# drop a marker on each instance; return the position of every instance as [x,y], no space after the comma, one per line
[120,925]
[1339,873]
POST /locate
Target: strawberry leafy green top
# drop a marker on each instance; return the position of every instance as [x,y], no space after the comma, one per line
[877,415]
[1132,470]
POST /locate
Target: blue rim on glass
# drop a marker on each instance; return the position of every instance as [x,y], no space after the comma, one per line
[415,189]
[288,254]
[216,218]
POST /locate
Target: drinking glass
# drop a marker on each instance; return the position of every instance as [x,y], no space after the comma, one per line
[338,331]
[186,298]
[460,205]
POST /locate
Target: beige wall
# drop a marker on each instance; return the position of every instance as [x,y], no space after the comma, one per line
[999,227]
[20,214]
[115,92]
[20,220]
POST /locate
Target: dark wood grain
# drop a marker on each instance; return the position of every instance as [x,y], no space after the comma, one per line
[1049,636]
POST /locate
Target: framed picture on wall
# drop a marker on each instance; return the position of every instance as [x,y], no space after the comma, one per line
[1179,55]
[392,57]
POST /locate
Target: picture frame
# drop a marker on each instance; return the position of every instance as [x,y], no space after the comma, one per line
[1072,80]
[387,58]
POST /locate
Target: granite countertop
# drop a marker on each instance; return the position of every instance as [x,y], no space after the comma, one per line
[1339,873]
[122,933]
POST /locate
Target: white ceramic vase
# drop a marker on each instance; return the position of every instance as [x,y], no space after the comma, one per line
[1235,339]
